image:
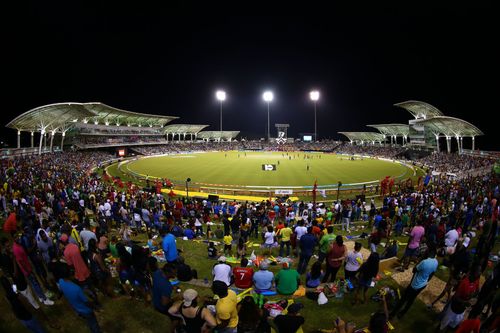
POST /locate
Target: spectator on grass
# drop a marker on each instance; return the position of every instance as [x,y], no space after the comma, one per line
[168,245]
[263,279]
[225,308]
[243,275]
[292,321]
[313,278]
[184,271]
[287,280]
[336,256]
[222,271]
[307,244]
[196,317]
[76,298]
[367,273]
[423,272]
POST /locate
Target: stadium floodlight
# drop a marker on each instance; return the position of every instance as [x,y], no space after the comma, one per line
[268,98]
[221,97]
[314,95]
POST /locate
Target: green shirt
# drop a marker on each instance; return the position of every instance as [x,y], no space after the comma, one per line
[113,250]
[287,281]
[325,242]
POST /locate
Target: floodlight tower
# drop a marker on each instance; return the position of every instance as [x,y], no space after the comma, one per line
[268,98]
[221,97]
[314,95]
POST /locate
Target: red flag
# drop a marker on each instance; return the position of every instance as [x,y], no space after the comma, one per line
[315,188]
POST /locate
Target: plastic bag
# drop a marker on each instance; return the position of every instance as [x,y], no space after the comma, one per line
[322,298]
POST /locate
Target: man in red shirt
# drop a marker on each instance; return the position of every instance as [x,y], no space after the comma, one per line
[243,275]
[25,266]
[74,258]
[10,225]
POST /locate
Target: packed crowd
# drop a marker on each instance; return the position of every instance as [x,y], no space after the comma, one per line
[456,163]
[51,248]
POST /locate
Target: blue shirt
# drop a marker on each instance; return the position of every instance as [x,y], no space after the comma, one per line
[161,287]
[307,243]
[75,296]
[424,270]
[263,279]
[189,233]
[169,247]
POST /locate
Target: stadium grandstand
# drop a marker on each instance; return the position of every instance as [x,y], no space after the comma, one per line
[424,131]
[97,125]
[364,137]
[218,135]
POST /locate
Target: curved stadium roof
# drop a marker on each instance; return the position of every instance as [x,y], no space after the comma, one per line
[212,135]
[420,110]
[184,129]
[364,136]
[61,115]
[392,129]
[450,126]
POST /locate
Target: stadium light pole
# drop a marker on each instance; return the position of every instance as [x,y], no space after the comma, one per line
[221,97]
[268,98]
[314,95]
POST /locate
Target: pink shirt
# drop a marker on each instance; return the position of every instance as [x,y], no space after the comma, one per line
[417,232]
[21,259]
[74,258]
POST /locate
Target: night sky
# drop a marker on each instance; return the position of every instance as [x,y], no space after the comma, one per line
[171,61]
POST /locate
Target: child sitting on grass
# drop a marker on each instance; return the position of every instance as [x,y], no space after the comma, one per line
[241,250]
[228,240]
[212,251]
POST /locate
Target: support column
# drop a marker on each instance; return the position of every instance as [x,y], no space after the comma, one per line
[42,134]
[461,144]
[448,143]
[18,139]
[458,144]
[437,142]
[45,141]
[473,143]
[62,140]
[32,139]
[52,133]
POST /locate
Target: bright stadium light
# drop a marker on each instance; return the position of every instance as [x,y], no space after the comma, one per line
[268,98]
[314,95]
[221,97]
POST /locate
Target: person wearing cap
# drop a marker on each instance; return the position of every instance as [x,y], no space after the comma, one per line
[287,280]
[196,318]
[292,321]
[73,257]
[263,279]
[226,310]
[222,271]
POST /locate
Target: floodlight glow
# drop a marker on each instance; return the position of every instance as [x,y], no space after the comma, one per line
[220,95]
[268,96]
[314,95]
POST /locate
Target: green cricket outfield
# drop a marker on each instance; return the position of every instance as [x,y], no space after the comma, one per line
[248,168]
